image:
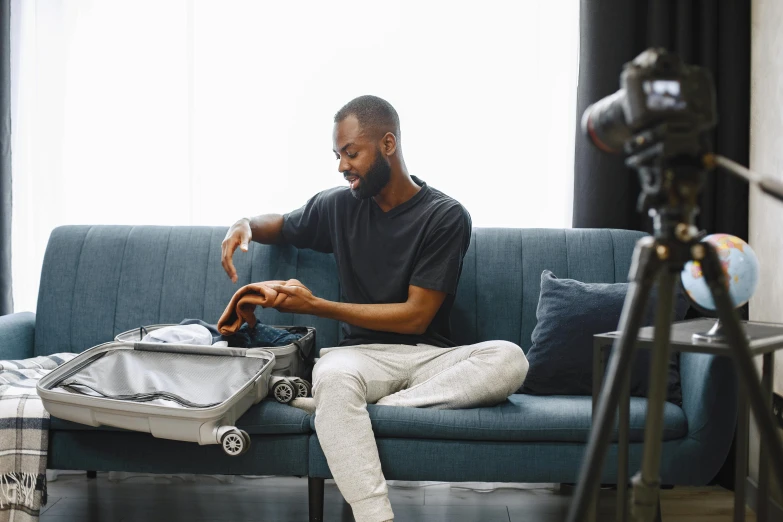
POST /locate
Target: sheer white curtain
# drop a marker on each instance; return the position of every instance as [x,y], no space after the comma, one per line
[181,112]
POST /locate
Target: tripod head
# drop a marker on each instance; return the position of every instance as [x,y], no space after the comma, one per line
[671,177]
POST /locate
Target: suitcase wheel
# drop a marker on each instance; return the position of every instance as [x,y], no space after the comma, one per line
[235,442]
[247,439]
[303,388]
[283,391]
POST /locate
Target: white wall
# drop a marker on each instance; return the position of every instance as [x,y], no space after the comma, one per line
[766,156]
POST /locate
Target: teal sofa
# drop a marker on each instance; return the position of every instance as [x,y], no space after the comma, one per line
[97,281]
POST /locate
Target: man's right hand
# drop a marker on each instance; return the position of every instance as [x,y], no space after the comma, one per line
[239,235]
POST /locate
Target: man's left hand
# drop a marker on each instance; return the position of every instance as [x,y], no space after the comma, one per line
[300,299]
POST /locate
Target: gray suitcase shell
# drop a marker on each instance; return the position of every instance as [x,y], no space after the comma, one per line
[206,415]
[289,359]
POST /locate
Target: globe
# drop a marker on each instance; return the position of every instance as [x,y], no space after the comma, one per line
[740,265]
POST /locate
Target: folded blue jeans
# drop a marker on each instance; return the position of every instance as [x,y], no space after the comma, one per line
[259,336]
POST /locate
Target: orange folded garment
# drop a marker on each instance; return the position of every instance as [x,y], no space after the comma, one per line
[242,307]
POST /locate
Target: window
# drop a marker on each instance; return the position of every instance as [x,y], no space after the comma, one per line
[179,112]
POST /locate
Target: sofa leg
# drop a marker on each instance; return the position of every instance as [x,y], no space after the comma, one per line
[92,474]
[315,491]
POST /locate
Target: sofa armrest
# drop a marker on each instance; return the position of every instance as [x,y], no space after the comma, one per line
[709,400]
[17,336]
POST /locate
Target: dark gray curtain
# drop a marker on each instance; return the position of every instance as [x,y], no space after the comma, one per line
[6,297]
[711,33]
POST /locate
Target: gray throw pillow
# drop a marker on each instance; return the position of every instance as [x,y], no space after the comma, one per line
[569,314]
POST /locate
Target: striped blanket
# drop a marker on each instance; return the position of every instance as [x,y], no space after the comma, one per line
[24,437]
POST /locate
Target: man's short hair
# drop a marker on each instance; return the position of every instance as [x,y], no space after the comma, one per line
[374,114]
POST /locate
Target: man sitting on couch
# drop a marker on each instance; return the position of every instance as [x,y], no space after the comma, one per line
[399,246]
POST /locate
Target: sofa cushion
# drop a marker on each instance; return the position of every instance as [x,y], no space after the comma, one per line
[265,418]
[569,314]
[522,418]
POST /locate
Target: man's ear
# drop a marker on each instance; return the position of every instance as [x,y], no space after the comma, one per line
[389,144]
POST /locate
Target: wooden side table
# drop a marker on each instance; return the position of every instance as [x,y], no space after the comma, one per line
[764,340]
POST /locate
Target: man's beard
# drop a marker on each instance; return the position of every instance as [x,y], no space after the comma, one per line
[377,177]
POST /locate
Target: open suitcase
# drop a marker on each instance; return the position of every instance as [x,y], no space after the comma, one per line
[292,360]
[179,392]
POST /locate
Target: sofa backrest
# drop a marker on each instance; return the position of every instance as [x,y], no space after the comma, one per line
[97,281]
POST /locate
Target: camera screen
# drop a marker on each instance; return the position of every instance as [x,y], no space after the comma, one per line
[664,95]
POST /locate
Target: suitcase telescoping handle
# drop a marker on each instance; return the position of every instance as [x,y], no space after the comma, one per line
[191,349]
[302,343]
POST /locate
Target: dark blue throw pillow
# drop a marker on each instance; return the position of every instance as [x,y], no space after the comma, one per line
[569,314]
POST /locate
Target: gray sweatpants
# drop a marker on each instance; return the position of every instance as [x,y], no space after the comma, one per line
[346,379]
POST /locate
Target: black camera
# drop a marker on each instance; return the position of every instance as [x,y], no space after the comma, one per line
[660,94]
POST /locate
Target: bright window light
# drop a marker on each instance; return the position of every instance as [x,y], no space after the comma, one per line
[195,112]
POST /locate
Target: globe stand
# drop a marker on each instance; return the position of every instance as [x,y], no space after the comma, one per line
[716,334]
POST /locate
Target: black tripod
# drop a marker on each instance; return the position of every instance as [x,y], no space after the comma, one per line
[670,189]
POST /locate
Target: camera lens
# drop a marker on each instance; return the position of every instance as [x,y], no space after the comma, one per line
[604,123]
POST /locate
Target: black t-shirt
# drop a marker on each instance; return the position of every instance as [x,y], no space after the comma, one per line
[421,242]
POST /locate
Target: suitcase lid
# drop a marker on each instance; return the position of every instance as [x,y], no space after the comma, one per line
[190,377]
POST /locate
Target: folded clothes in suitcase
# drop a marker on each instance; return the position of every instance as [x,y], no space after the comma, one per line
[294,359]
[179,392]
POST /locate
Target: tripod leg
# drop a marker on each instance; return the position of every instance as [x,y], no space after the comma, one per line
[646,484]
[749,377]
[762,505]
[644,269]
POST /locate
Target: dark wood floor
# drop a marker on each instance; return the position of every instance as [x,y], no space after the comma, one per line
[74,498]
